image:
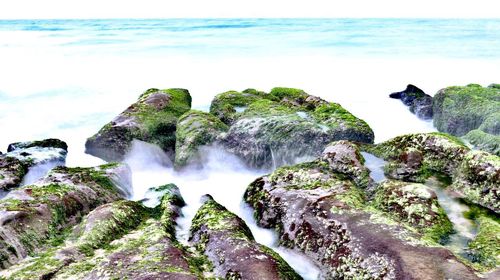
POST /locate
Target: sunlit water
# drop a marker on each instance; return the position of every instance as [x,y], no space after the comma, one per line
[67,78]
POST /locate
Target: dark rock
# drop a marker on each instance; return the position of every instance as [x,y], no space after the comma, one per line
[151,119]
[228,243]
[419,102]
[46,143]
[12,171]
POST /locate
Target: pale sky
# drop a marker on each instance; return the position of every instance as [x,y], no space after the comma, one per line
[42,9]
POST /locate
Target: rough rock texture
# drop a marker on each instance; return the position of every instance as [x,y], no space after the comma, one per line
[228,243]
[22,156]
[419,102]
[118,240]
[37,216]
[459,110]
[151,119]
[484,141]
[272,129]
[326,215]
[478,179]
[474,175]
[415,204]
[195,129]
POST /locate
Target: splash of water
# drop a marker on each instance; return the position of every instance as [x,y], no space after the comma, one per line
[223,176]
[376,167]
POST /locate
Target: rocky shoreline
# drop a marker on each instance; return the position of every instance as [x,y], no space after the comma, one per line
[318,196]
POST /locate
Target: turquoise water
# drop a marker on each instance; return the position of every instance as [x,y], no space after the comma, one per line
[353,37]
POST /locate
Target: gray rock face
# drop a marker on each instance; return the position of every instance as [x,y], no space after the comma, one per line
[419,102]
[151,119]
[273,129]
[228,243]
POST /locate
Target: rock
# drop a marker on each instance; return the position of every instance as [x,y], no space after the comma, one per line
[478,179]
[35,217]
[484,141]
[326,216]
[344,157]
[194,130]
[419,102]
[474,175]
[459,110]
[276,128]
[415,204]
[46,143]
[151,119]
[24,156]
[414,157]
[228,243]
[12,171]
[118,240]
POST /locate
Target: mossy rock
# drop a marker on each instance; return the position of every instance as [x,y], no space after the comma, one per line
[46,143]
[118,240]
[415,157]
[484,141]
[283,125]
[194,130]
[39,216]
[458,110]
[485,247]
[152,119]
[229,245]
[321,212]
[478,179]
[416,205]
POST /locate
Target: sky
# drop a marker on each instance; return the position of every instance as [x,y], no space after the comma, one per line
[47,9]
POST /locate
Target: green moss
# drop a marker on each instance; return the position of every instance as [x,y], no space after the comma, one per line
[415,206]
[449,137]
[280,93]
[484,141]
[485,247]
[458,110]
[195,129]
[224,104]
[266,108]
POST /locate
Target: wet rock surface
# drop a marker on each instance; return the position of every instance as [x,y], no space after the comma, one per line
[22,156]
[151,119]
[419,102]
[195,129]
[275,128]
[474,175]
[229,245]
[327,216]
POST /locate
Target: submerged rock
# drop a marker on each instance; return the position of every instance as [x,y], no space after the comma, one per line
[195,129]
[324,214]
[278,127]
[35,217]
[460,110]
[229,245]
[118,240]
[474,175]
[22,156]
[151,119]
[419,102]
